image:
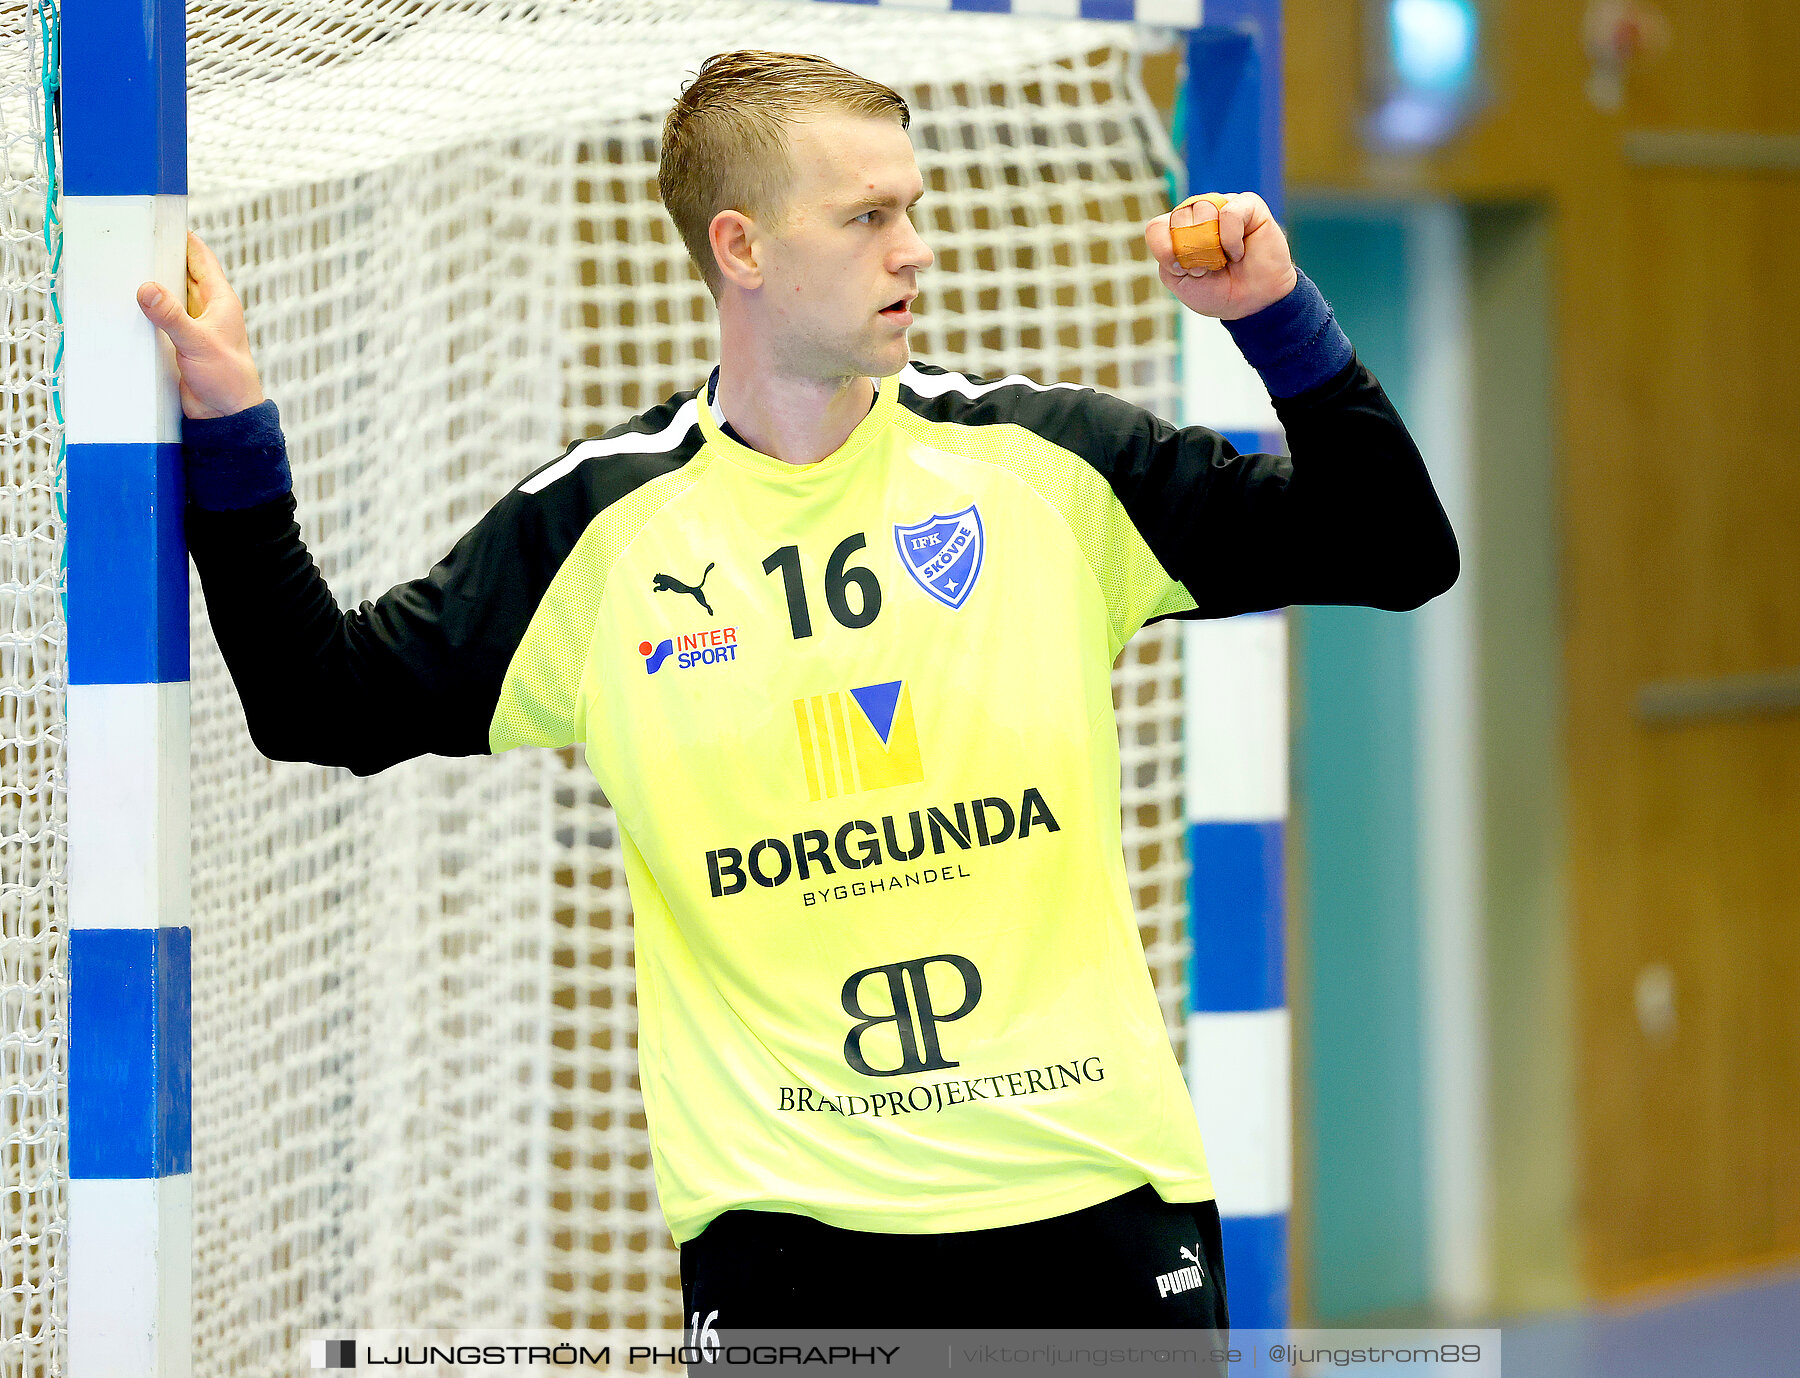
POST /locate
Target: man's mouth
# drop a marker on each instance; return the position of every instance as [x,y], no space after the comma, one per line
[899,311]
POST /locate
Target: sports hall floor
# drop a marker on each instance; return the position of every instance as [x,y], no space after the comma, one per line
[1744,1331]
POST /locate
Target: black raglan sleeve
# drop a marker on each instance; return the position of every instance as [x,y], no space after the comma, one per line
[1348,516]
[416,671]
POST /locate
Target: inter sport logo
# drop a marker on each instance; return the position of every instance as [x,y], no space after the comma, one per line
[714,646]
[860,740]
[943,554]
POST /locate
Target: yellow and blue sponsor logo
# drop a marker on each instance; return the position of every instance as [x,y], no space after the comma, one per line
[854,740]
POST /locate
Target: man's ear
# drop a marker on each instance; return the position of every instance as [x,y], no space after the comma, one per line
[733,238]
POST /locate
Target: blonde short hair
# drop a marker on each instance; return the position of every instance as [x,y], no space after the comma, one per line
[725,144]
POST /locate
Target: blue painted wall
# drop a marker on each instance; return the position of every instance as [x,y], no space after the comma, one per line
[1361,1144]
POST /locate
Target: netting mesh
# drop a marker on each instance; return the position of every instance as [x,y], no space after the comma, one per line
[33,678]
[415,1089]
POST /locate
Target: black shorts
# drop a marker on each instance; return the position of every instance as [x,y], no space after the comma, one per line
[1135,1260]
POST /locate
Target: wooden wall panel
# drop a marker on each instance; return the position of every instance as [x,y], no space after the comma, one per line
[1678,430]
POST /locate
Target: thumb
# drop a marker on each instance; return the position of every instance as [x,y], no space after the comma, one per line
[166,313]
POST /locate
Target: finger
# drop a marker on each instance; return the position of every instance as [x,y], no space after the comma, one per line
[1196,210]
[206,278]
[1172,270]
[1175,277]
[1192,211]
[1162,245]
[1233,227]
[166,313]
[1253,213]
[1197,243]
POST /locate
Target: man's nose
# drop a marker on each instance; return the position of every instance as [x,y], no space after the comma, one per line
[915,252]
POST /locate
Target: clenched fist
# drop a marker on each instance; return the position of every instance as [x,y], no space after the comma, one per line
[212,348]
[1259,271]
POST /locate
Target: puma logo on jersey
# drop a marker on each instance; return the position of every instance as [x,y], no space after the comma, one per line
[668,583]
[1182,1279]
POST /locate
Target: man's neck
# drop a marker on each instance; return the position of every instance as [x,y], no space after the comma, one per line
[797,420]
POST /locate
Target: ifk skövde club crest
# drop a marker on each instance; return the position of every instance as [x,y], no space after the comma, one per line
[943,554]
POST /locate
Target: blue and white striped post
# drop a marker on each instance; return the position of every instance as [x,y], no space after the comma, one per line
[1234,675]
[124,213]
[1235,736]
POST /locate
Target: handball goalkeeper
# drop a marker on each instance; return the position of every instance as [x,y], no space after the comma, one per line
[835,631]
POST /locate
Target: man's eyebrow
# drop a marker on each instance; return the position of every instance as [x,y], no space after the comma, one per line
[879,201]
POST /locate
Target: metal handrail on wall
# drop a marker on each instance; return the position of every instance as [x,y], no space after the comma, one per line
[1731,696]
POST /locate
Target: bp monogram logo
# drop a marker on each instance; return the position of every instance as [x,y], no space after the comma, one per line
[903,1012]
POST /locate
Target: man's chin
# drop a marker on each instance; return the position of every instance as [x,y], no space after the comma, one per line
[868,359]
[886,362]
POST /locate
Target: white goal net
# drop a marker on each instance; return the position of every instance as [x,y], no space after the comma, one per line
[415,1094]
[33,673]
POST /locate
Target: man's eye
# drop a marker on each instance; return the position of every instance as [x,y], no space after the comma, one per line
[867,218]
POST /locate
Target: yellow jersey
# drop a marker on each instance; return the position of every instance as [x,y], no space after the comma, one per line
[856,721]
